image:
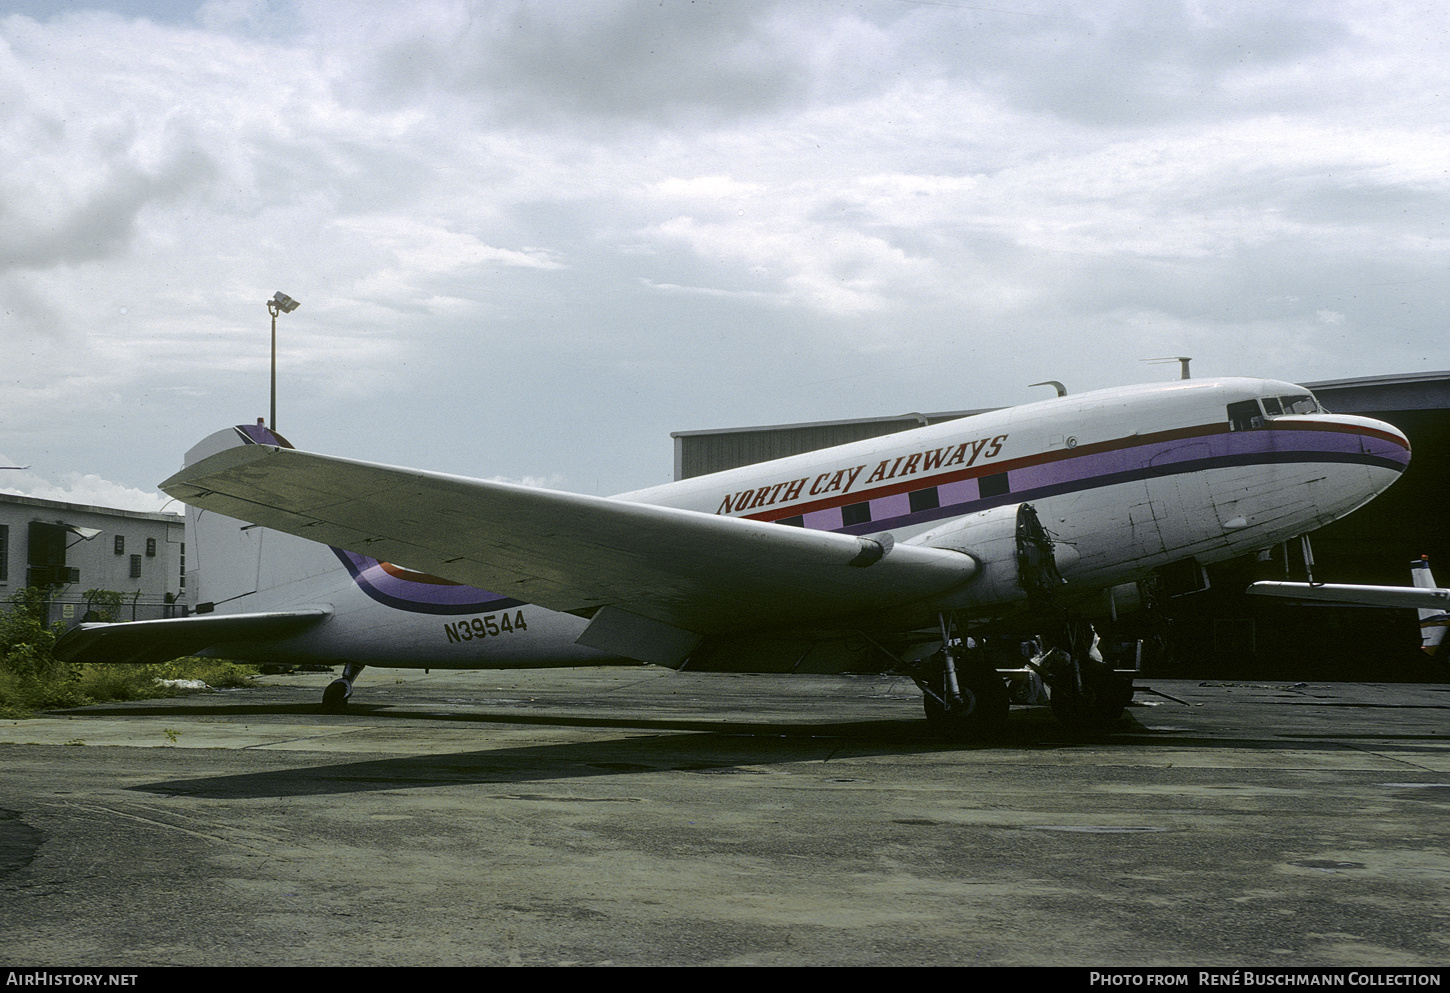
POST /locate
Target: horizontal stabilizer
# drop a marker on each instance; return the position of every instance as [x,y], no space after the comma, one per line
[140,642]
[1363,596]
[697,572]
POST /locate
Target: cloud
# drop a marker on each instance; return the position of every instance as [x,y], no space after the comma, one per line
[533,238]
[610,60]
[88,488]
[80,173]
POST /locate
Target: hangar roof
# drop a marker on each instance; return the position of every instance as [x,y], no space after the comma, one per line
[1407,391]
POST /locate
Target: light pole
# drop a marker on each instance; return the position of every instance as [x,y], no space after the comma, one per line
[279,304]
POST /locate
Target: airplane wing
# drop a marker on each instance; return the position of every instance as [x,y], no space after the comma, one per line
[647,575]
[1365,596]
[173,637]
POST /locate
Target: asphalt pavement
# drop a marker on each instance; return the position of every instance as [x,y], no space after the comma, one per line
[636,816]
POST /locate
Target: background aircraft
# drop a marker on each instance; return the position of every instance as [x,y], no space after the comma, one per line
[1040,517]
[1431,601]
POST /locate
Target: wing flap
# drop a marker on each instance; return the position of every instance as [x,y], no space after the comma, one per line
[162,640]
[567,551]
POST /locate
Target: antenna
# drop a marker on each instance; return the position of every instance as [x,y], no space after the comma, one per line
[1182,361]
[1061,390]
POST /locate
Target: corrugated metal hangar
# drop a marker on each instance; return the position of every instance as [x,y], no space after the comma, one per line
[1219,632]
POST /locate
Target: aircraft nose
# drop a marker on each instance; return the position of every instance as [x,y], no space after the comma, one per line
[1384,444]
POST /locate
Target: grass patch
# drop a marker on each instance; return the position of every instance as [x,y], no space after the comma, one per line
[81,683]
[32,679]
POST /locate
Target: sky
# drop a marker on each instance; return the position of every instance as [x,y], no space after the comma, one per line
[531,239]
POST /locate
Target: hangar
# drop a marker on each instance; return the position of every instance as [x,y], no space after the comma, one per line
[1218,631]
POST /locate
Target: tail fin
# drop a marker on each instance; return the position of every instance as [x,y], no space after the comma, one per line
[239,567]
[1432,622]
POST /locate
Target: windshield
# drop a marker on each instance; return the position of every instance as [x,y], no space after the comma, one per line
[1246,415]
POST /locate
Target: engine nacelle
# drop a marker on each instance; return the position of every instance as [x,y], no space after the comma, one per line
[1018,564]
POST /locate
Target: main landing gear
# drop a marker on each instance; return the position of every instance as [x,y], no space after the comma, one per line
[1085,691]
[334,698]
[961,692]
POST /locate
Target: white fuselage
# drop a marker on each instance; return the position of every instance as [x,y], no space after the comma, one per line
[1125,480]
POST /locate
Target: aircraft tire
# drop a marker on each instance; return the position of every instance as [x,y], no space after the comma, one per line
[1100,704]
[334,698]
[983,710]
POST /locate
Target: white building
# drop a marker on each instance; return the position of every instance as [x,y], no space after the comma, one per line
[140,555]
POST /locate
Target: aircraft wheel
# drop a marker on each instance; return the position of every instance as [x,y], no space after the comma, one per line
[1099,704]
[334,698]
[983,707]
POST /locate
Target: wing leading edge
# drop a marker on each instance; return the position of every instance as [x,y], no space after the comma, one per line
[640,570]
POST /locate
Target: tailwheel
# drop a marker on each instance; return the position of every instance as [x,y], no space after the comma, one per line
[334,698]
[963,696]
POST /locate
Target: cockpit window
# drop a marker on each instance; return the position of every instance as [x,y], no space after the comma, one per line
[1302,403]
[1245,416]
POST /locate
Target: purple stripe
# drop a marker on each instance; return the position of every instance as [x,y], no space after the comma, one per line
[824,520]
[400,592]
[425,598]
[892,506]
[259,434]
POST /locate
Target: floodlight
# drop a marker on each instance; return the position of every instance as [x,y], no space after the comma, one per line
[280,303]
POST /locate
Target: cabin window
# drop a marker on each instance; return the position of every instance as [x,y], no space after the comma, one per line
[926,499]
[994,485]
[1272,407]
[855,513]
[1245,416]
[798,521]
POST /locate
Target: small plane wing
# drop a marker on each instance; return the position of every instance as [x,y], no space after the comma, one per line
[173,637]
[1365,596]
[642,572]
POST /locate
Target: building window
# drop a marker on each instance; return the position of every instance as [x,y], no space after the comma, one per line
[135,567]
[4,553]
[150,548]
[183,567]
[120,544]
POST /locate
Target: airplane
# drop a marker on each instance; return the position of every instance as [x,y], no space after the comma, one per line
[1431,601]
[1032,517]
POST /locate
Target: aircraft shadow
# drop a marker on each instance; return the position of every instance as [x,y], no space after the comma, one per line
[724,749]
